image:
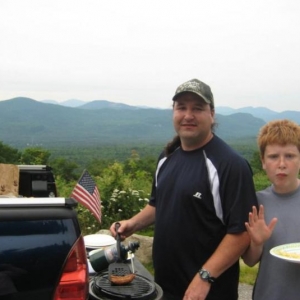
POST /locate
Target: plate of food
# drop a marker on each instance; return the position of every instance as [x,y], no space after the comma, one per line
[288,252]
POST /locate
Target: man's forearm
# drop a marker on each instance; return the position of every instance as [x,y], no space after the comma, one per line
[144,218]
[228,252]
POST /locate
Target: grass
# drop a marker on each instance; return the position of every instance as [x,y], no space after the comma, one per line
[149,267]
[247,274]
[149,231]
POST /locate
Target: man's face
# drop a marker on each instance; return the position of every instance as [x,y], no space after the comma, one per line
[282,165]
[192,119]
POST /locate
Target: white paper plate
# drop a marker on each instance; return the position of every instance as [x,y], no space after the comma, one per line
[288,252]
[94,241]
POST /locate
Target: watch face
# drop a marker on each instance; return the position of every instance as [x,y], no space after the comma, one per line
[204,275]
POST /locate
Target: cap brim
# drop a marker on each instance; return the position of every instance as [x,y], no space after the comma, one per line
[177,95]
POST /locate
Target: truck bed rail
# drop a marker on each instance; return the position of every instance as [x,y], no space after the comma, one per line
[25,202]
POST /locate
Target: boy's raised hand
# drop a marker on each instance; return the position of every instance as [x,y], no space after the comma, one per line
[257,228]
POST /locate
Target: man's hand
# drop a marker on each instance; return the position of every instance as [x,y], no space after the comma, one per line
[197,290]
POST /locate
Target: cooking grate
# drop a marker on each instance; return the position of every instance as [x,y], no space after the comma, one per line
[140,288]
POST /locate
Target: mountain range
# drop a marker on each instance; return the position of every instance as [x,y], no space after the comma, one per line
[27,122]
[263,113]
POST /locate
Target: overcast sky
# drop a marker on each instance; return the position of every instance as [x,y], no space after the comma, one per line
[138,51]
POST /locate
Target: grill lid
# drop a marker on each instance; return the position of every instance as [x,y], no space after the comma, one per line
[140,288]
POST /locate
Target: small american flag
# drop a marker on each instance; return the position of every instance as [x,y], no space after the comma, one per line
[86,193]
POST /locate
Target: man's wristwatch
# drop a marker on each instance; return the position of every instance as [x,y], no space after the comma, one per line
[204,275]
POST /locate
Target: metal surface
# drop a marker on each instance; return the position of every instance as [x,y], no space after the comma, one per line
[140,271]
[118,268]
[140,288]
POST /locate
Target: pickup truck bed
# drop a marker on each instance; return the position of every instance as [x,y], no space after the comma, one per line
[42,253]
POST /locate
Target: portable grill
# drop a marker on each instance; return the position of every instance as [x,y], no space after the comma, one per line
[141,288]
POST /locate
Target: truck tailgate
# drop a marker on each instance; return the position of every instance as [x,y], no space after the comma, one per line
[34,244]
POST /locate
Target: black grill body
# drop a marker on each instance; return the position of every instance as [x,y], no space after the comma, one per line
[141,288]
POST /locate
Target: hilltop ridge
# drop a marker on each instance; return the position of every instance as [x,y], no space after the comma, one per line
[25,121]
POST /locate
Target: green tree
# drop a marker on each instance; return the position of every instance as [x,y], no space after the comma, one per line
[121,195]
[96,166]
[65,169]
[35,156]
[261,181]
[8,155]
[136,167]
[256,162]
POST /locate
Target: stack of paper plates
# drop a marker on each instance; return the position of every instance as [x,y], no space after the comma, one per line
[96,241]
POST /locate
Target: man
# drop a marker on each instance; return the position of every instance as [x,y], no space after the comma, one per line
[200,199]
[279,144]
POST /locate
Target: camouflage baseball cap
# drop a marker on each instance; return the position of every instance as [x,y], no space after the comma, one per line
[197,87]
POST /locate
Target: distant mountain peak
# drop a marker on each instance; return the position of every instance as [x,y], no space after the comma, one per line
[100,104]
[21,99]
[72,103]
[49,101]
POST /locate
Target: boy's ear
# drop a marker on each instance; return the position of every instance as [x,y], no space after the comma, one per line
[263,163]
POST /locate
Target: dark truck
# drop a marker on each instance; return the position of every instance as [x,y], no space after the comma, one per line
[42,251]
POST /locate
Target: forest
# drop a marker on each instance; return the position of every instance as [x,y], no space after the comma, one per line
[123,175]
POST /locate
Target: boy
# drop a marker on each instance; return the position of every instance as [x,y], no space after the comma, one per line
[279,145]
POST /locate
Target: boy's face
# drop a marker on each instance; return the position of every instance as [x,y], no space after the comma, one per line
[282,165]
